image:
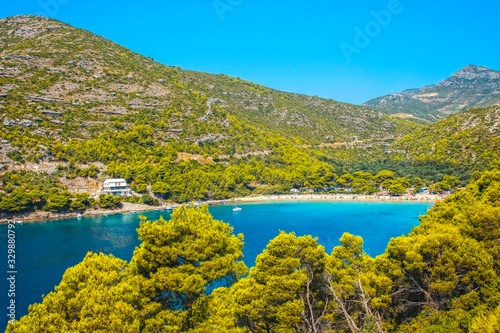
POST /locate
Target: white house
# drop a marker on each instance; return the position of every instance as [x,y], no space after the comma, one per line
[117,186]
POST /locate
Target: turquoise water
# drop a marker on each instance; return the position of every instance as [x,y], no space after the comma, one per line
[44,250]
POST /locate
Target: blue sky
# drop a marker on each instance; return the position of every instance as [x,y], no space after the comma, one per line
[350,51]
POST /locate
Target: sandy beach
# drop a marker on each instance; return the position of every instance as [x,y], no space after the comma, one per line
[337,197]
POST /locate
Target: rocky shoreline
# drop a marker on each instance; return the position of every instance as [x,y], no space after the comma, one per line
[41,215]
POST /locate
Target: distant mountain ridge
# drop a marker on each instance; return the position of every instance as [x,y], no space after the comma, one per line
[471,86]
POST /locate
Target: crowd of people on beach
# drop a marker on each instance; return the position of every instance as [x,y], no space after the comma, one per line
[336,197]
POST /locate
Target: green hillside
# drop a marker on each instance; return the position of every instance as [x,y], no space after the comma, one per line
[457,145]
[468,139]
[70,79]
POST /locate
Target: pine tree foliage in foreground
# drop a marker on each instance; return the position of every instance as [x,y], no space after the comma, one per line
[442,277]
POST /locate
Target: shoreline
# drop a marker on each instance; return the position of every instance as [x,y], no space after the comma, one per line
[129,207]
[53,216]
[335,197]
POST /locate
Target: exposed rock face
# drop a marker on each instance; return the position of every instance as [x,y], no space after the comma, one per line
[27,123]
[393,98]
[472,72]
[210,137]
[26,32]
[472,86]
[9,122]
[51,113]
[52,27]
[19,56]
[33,97]
[85,64]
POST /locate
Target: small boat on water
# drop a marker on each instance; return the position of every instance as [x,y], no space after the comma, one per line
[236,208]
[168,208]
[133,211]
[118,213]
[19,222]
[79,216]
[106,214]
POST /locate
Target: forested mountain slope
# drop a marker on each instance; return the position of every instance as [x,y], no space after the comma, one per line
[63,78]
[459,144]
[470,138]
[472,86]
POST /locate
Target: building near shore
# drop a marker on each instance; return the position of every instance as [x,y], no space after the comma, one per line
[116,186]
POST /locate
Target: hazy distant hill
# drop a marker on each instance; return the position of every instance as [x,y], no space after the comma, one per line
[472,86]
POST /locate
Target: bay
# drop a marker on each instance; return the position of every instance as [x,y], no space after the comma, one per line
[44,250]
